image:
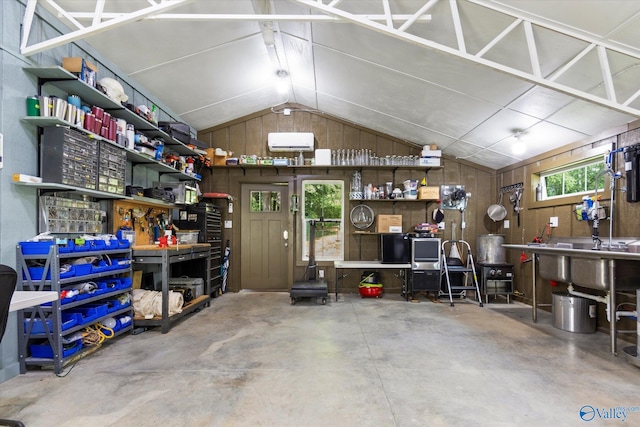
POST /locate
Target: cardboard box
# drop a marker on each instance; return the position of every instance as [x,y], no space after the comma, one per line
[85,70]
[429,193]
[389,224]
[429,161]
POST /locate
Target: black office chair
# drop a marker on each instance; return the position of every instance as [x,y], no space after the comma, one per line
[8,278]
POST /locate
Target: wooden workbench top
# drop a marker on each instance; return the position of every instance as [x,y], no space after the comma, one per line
[171,247]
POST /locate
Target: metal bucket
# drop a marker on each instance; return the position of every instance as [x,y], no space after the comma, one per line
[573,314]
[490,250]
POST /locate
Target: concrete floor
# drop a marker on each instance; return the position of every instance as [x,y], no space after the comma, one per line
[252,359]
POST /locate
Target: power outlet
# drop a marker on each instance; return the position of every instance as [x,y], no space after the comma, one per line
[553,221]
[321,274]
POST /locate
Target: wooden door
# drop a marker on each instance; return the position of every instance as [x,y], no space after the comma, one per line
[264,237]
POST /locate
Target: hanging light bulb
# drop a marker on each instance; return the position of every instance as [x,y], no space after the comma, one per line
[282,83]
[518,146]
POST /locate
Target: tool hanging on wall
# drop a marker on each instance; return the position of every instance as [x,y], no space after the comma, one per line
[515,197]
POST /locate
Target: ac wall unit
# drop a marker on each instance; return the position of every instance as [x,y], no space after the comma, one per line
[290,141]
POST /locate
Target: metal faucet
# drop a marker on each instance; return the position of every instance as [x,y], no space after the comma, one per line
[597,243]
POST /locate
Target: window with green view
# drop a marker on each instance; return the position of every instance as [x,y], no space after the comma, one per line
[574,180]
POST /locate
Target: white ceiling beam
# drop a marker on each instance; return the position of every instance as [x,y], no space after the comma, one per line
[95,29]
[457,25]
[97,18]
[526,76]
[27,22]
[498,38]
[63,13]
[556,75]
[419,15]
[251,17]
[558,28]
[606,73]
[533,50]
[387,13]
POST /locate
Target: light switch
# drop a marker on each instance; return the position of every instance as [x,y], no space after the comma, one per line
[506,223]
[553,221]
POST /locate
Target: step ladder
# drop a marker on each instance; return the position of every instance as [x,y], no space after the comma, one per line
[451,247]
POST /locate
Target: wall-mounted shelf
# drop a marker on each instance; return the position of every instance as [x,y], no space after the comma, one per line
[66,81]
[54,187]
[393,200]
[319,167]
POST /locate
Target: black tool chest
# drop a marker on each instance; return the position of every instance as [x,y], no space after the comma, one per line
[207,219]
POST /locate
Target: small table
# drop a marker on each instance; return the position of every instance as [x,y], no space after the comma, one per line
[361,265]
[25,299]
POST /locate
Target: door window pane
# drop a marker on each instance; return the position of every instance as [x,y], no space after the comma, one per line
[265,201]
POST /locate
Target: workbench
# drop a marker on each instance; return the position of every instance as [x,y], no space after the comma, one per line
[368,265]
[163,258]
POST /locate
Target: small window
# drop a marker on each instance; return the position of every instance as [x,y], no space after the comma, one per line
[265,201]
[323,199]
[572,180]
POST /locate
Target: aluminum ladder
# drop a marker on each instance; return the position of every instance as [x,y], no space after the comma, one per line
[464,269]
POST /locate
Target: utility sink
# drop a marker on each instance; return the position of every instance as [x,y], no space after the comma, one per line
[578,263]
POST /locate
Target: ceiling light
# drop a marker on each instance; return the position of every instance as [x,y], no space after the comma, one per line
[518,146]
[282,84]
[267,33]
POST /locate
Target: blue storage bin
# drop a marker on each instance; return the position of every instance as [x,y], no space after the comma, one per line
[123,244]
[36,273]
[38,325]
[36,248]
[45,351]
[120,325]
[111,244]
[109,285]
[66,248]
[80,297]
[89,312]
[120,263]
[63,301]
[83,269]
[70,316]
[125,282]
[97,245]
[113,305]
[82,248]
[102,266]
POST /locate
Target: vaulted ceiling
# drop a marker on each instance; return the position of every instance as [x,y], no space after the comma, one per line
[466,75]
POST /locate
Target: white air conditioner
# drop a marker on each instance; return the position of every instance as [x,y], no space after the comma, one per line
[290,141]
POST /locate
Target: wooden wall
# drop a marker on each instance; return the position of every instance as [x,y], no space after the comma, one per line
[249,136]
[536,214]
